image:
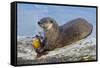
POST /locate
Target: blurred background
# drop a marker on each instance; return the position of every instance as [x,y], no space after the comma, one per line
[29,14]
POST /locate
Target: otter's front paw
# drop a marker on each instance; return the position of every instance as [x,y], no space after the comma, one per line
[41,54]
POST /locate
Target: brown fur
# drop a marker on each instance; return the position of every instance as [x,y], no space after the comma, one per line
[59,36]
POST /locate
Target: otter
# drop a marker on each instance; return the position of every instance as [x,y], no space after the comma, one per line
[58,36]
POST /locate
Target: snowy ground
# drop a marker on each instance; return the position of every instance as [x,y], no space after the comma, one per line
[83,50]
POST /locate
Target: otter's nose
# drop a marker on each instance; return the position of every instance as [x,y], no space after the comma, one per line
[38,22]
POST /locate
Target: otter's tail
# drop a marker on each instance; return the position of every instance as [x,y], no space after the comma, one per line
[91,29]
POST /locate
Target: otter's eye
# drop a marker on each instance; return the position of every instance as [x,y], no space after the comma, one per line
[51,21]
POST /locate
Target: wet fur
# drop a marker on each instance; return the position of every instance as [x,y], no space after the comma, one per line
[59,36]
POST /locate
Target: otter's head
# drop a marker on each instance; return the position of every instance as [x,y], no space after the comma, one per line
[46,23]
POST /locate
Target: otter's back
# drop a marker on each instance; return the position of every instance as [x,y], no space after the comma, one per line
[75,30]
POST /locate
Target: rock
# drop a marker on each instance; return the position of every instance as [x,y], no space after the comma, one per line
[83,50]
